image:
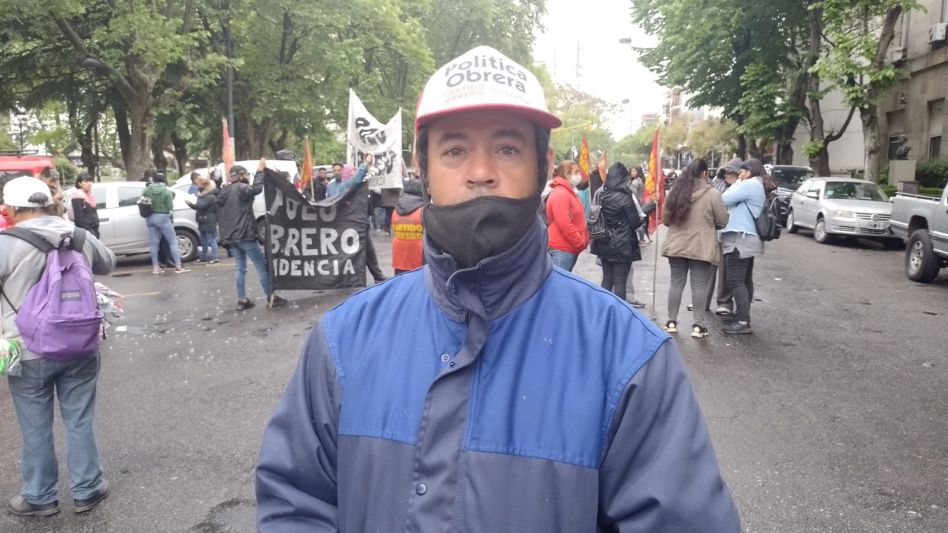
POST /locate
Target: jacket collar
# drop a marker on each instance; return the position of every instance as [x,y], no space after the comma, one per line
[495,285]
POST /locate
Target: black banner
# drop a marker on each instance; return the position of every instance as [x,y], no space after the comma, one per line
[314,246]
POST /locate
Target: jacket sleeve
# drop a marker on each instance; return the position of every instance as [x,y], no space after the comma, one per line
[296,471]
[632,214]
[98,255]
[256,187]
[558,211]
[659,472]
[719,211]
[357,179]
[737,193]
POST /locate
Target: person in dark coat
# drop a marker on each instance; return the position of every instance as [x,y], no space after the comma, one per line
[82,206]
[206,216]
[620,248]
[239,230]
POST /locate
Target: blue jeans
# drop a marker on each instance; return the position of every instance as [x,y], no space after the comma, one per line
[73,382]
[209,246]
[564,260]
[241,250]
[160,226]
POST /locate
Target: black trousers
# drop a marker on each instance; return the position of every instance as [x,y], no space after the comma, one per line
[615,276]
[372,260]
[740,279]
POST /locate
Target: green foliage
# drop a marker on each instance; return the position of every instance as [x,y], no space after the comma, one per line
[932,173]
[453,27]
[581,114]
[67,171]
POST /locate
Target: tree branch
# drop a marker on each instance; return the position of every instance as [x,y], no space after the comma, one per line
[103,69]
[835,136]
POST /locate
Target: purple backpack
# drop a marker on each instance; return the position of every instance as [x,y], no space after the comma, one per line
[59,318]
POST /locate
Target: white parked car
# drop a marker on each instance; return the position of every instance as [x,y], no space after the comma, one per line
[840,207]
[124,231]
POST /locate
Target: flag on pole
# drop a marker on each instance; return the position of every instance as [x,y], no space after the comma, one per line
[227,149]
[602,165]
[306,173]
[583,160]
[655,185]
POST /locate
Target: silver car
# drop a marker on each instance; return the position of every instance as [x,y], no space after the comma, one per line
[840,207]
[124,231]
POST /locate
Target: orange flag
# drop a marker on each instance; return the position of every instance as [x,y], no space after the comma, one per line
[227,147]
[602,165]
[306,173]
[584,159]
[655,185]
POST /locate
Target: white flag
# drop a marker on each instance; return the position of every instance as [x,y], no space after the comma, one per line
[366,135]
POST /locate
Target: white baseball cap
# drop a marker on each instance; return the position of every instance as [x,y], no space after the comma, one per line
[483,78]
[19,192]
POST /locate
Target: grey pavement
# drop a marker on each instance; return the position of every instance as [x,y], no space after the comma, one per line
[830,418]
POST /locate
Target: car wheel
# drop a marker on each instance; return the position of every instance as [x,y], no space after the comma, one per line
[262,230]
[187,244]
[790,225]
[819,231]
[920,261]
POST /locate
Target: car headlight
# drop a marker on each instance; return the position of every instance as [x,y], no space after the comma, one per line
[844,214]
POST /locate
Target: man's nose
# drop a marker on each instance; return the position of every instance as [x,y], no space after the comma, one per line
[481,171]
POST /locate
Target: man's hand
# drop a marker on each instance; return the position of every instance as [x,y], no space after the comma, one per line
[262,165]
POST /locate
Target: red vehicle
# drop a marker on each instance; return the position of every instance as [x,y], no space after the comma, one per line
[14,164]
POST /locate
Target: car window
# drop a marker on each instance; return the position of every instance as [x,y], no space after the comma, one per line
[855,191]
[129,195]
[815,187]
[99,193]
[804,187]
[790,177]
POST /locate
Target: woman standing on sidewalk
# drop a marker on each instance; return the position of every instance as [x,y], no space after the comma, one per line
[744,200]
[620,248]
[693,213]
[206,216]
[160,225]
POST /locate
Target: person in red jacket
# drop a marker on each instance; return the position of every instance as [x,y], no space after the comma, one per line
[565,217]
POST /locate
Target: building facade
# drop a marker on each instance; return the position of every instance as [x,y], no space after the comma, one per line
[914,113]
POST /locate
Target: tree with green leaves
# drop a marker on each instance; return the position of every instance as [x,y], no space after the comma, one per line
[859,33]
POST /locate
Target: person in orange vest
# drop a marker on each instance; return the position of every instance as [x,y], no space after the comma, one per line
[407,243]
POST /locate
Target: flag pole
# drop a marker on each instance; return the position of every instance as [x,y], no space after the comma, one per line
[655,267]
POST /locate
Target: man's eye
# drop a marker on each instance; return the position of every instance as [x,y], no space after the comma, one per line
[509,150]
[454,152]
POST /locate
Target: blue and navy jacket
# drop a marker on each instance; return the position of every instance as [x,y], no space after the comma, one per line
[510,396]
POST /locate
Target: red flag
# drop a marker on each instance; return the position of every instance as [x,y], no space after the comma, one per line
[655,185]
[584,159]
[227,149]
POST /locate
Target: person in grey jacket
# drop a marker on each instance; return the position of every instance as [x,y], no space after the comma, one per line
[72,382]
[461,396]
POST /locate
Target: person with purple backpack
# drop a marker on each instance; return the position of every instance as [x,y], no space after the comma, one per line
[46,267]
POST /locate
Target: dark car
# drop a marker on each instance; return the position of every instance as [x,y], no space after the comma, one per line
[788,178]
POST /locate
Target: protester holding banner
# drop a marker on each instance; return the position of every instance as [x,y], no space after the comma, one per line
[462,396]
[238,229]
[407,229]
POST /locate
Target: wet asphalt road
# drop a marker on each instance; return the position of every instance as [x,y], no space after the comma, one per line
[830,418]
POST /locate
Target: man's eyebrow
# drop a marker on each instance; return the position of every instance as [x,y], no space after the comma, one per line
[509,133]
[451,136]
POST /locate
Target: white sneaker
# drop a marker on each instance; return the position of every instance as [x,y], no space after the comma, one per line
[723,310]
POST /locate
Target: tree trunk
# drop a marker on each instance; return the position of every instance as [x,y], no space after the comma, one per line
[741,146]
[85,144]
[753,151]
[819,154]
[180,152]
[870,135]
[784,153]
[158,152]
[121,129]
[137,159]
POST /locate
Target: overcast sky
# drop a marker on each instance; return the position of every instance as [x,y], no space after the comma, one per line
[590,30]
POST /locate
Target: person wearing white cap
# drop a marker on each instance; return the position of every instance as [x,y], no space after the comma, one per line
[468,395]
[73,382]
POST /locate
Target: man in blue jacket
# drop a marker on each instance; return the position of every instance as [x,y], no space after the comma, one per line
[487,391]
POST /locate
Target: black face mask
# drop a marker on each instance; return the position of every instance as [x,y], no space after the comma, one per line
[479,228]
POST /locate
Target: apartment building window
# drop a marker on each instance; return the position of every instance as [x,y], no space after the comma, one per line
[944,10]
[904,28]
[936,125]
